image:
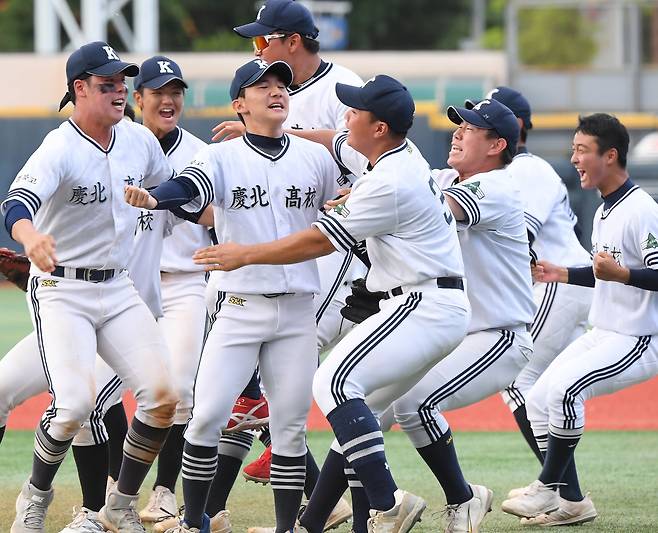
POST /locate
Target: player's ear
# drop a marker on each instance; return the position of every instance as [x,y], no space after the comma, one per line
[294,41]
[498,146]
[137,96]
[80,86]
[238,105]
[611,156]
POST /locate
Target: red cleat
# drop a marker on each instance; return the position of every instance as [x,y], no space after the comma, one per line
[248,414]
[259,470]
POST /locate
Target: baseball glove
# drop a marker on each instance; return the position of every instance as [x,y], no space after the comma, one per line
[361,303]
[15,267]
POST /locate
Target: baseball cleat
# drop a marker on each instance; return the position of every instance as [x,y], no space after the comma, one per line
[182,527]
[259,470]
[219,523]
[537,499]
[161,504]
[248,414]
[119,514]
[466,517]
[297,529]
[513,493]
[339,515]
[567,514]
[84,521]
[401,517]
[31,507]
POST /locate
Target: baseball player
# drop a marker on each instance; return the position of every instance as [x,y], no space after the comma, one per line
[80,298]
[267,184]
[411,241]
[492,235]
[561,315]
[159,93]
[285,31]
[619,350]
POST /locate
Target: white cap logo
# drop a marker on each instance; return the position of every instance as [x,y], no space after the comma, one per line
[259,12]
[370,80]
[164,67]
[479,105]
[261,64]
[491,93]
[111,54]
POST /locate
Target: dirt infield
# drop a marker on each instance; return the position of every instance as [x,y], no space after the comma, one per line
[635,408]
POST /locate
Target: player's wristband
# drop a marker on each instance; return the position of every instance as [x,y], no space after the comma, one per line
[643,278]
[581,276]
[15,211]
[175,193]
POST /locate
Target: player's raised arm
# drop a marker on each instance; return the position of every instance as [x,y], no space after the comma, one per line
[323,137]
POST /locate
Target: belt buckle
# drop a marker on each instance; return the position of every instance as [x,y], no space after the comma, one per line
[86,274]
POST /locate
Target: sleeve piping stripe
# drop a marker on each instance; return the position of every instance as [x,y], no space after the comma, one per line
[533,223]
[31,200]
[466,201]
[340,229]
[331,233]
[651,262]
[469,205]
[651,255]
[337,147]
[534,219]
[202,182]
[337,232]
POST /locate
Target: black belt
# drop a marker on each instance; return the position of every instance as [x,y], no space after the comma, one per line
[276,294]
[87,274]
[441,283]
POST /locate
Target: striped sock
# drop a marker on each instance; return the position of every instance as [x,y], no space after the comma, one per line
[361,439]
[48,455]
[199,467]
[287,476]
[360,503]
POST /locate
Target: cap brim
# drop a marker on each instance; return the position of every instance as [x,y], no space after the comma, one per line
[350,95]
[115,67]
[461,114]
[161,81]
[253,29]
[280,68]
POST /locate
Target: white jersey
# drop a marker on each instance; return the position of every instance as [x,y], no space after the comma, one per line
[629,232]
[408,228]
[186,237]
[260,198]
[547,211]
[315,105]
[494,243]
[73,188]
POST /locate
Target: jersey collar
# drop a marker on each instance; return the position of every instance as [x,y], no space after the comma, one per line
[285,143]
[403,146]
[615,198]
[322,71]
[93,141]
[171,141]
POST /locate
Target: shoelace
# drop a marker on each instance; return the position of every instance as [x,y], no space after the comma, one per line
[35,515]
[130,517]
[157,501]
[168,514]
[449,514]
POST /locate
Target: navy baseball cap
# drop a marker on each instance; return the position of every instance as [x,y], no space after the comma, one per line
[96,59]
[490,115]
[512,99]
[384,97]
[156,72]
[251,72]
[286,15]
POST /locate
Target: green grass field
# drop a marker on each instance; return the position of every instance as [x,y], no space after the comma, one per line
[620,469]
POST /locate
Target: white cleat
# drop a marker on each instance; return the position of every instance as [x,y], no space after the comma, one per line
[84,521]
[401,518]
[161,504]
[119,514]
[466,517]
[296,529]
[568,514]
[513,493]
[537,499]
[31,507]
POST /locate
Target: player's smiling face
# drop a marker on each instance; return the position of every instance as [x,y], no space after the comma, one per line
[265,103]
[591,165]
[361,126]
[107,96]
[161,108]
[470,150]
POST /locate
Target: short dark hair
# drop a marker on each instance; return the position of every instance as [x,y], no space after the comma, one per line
[311,45]
[509,151]
[84,77]
[523,134]
[609,133]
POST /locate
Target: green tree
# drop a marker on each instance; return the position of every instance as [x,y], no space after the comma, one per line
[16,25]
[555,37]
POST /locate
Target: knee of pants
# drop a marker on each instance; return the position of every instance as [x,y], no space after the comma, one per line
[159,409]
[69,420]
[537,411]
[422,431]
[289,441]
[322,391]
[561,401]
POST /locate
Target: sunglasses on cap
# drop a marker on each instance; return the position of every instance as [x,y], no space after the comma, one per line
[263,41]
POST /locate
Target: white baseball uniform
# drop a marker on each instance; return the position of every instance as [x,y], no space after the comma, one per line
[494,245]
[314,105]
[73,188]
[619,351]
[562,310]
[260,314]
[412,244]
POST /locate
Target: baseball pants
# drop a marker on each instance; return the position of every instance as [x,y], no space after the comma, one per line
[182,325]
[599,362]
[479,367]
[22,377]
[275,333]
[73,320]
[560,319]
